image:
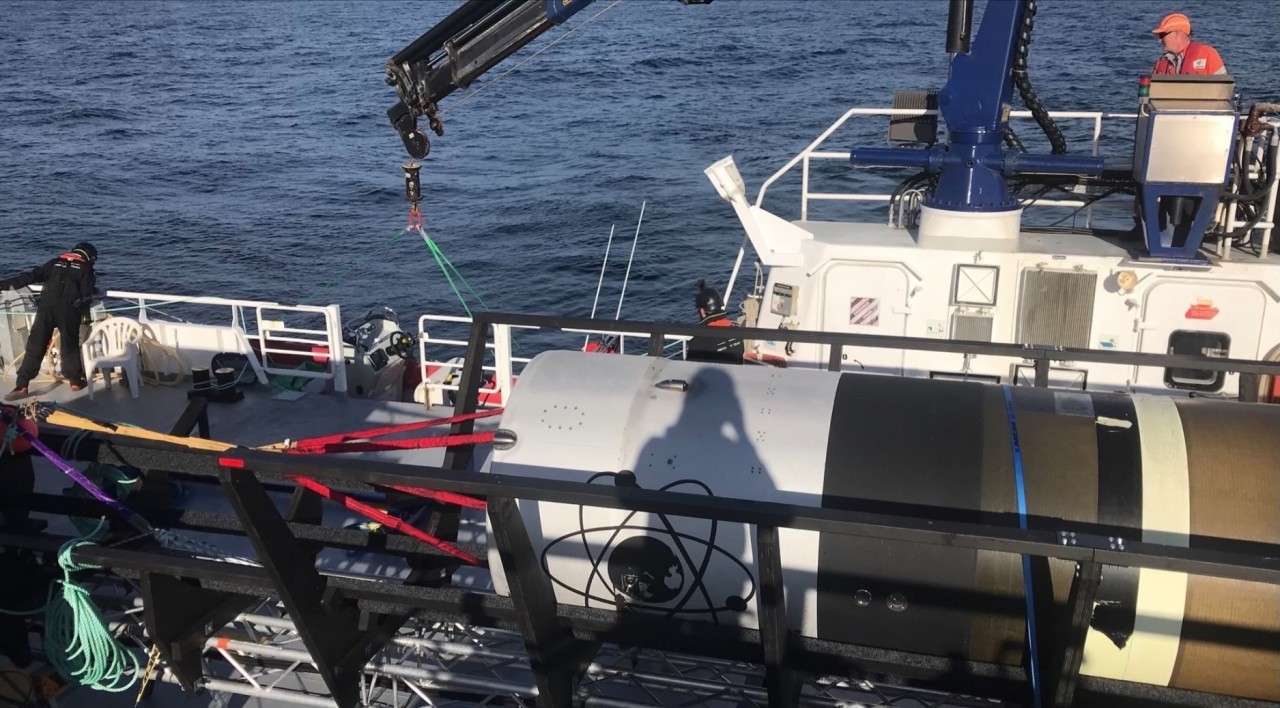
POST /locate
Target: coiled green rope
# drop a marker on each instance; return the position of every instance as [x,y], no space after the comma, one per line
[77,640]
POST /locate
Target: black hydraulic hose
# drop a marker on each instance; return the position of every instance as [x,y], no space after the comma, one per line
[1023,82]
[1012,140]
[1251,201]
[1254,190]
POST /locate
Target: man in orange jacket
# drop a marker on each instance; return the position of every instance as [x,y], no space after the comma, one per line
[711,313]
[1181,55]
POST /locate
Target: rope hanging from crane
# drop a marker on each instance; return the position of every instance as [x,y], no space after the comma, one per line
[413,194]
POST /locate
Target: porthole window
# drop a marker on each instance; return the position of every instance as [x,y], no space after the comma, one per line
[1189,343]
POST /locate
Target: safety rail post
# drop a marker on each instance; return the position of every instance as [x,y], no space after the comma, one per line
[657,344]
[781,680]
[180,617]
[459,457]
[1268,223]
[446,518]
[502,359]
[155,482]
[194,417]
[1097,137]
[836,356]
[1064,674]
[337,361]
[804,188]
[339,636]
[1042,371]
[555,656]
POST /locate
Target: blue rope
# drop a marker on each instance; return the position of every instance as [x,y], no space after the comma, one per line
[1034,670]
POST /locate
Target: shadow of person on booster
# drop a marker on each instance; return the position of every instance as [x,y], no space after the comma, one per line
[678,566]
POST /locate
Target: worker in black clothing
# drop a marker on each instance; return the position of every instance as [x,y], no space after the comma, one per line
[711,313]
[69,285]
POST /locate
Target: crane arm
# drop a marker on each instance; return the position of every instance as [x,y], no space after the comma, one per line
[460,48]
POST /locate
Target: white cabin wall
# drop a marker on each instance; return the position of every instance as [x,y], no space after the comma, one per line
[1116,324]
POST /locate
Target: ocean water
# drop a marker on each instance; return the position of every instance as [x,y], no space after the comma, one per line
[242,148]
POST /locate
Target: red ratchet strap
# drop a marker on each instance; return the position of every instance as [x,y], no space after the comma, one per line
[383,518]
[446,497]
[410,444]
[328,443]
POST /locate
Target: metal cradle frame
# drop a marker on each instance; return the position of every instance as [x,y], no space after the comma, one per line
[353,638]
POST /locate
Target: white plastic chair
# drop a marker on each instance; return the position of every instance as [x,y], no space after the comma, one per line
[113,343]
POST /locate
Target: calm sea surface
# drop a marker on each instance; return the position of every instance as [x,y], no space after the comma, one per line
[242,148]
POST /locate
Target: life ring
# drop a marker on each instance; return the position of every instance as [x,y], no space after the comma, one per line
[770,359]
[603,345]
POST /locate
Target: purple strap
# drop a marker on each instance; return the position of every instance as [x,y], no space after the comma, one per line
[125,512]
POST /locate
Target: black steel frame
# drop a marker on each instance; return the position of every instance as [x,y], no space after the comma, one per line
[1041,356]
[343,622]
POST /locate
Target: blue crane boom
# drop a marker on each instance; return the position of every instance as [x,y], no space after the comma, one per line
[975,104]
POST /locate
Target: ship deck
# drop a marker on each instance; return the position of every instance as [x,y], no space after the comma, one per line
[263,417]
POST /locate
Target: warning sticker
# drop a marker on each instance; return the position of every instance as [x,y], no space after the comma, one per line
[864,311]
[1202,310]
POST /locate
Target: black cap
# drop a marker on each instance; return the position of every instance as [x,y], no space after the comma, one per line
[708,299]
[87,250]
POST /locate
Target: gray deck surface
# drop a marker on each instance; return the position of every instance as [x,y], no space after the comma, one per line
[262,418]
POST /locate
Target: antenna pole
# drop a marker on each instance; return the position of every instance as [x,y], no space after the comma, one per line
[600,284]
[627,277]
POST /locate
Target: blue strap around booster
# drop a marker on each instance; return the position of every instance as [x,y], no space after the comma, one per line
[1034,669]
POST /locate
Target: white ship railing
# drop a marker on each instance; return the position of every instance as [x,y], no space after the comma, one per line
[813,152]
[268,329]
[445,367]
[506,367]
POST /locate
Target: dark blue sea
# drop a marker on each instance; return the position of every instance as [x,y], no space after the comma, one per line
[242,148]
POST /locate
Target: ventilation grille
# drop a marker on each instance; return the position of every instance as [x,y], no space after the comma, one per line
[914,129]
[971,328]
[1056,308]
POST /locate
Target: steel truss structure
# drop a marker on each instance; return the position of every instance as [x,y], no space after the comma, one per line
[283,629]
[261,655]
